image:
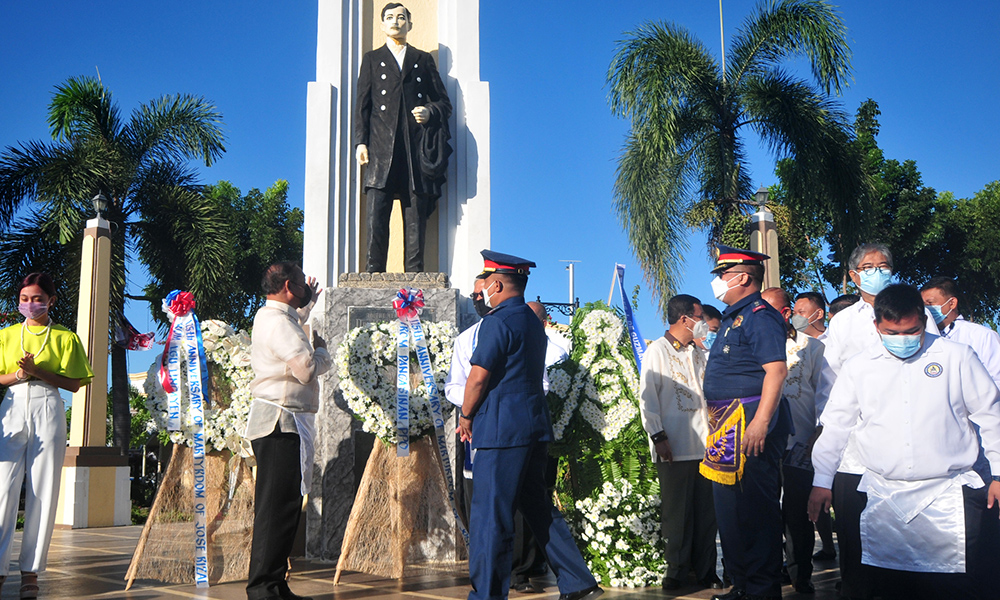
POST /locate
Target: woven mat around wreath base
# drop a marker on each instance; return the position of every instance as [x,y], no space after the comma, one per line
[401,524]
[165,551]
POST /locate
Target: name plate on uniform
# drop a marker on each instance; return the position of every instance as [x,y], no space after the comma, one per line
[359,316]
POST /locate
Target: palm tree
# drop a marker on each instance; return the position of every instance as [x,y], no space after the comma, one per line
[156,210]
[683,164]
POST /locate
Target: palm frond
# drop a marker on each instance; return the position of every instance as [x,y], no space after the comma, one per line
[181,239]
[655,72]
[33,245]
[82,108]
[173,128]
[649,198]
[781,29]
[20,170]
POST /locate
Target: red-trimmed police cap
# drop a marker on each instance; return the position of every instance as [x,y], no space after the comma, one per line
[497,262]
[730,257]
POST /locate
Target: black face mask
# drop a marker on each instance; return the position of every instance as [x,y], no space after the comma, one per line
[480,305]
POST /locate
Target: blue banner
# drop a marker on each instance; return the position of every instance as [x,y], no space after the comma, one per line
[638,343]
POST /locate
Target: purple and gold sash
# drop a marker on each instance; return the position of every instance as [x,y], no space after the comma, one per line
[724,456]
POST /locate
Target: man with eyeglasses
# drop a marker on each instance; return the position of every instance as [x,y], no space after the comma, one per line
[854,331]
[675,417]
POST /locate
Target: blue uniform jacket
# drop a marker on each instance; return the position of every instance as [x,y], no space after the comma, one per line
[511,347]
[751,335]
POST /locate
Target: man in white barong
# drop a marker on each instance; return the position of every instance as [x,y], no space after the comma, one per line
[281,424]
[675,417]
[929,521]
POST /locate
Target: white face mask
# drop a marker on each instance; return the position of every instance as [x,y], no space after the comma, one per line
[720,288]
[700,329]
[487,297]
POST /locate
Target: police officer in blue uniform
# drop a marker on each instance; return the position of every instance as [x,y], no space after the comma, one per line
[745,373]
[507,419]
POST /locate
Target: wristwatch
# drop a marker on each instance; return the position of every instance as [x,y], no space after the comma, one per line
[462,415]
[659,437]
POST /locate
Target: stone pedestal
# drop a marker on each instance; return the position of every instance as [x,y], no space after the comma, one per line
[342,449]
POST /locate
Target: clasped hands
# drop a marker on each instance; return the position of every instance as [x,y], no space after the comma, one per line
[27,364]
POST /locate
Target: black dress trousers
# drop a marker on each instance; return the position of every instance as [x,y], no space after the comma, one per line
[277,508]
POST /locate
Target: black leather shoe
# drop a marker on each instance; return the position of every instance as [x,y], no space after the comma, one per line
[290,595]
[670,584]
[786,579]
[712,582]
[588,594]
[825,555]
[526,587]
[733,594]
[805,587]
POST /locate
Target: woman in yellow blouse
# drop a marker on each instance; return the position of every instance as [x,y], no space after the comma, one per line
[36,358]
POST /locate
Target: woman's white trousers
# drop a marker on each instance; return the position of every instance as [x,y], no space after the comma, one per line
[32,443]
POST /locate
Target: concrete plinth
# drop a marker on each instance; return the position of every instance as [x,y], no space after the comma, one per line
[94,491]
[341,447]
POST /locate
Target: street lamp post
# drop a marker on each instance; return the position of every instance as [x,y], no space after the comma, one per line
[94,491]
[765,239]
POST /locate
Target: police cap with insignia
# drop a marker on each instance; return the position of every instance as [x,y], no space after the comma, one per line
[730,257]
[497,262]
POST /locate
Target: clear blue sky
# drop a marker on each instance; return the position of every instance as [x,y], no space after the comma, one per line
[931,66]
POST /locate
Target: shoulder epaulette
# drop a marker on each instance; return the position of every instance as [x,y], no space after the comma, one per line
[758,305]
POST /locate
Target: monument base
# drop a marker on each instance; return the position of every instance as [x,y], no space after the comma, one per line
[95,489]
[342,448]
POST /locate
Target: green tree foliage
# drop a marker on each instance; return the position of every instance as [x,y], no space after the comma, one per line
[930,234]
[261,229]
[959,239]
[156,210]
[684,160]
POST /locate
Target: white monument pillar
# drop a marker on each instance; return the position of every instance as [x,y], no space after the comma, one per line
[333,227]
[334,219]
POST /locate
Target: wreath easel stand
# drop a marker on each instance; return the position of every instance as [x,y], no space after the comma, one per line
[398,502]
[165,551]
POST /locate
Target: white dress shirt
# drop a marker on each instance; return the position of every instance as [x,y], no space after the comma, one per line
[804,386]
[983,340]
[911,419]
[851,332]
[399,55]
[671,398]
[555,350]
[461,366]
[286,369]
[458,374]
[854,330]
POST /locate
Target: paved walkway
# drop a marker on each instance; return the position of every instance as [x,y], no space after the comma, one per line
[91,564]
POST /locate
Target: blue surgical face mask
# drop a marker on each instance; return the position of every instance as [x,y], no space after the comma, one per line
[937,311]
[902,346]
[874,280]
[710,339]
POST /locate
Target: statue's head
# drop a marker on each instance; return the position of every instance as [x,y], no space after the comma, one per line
[396,21]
